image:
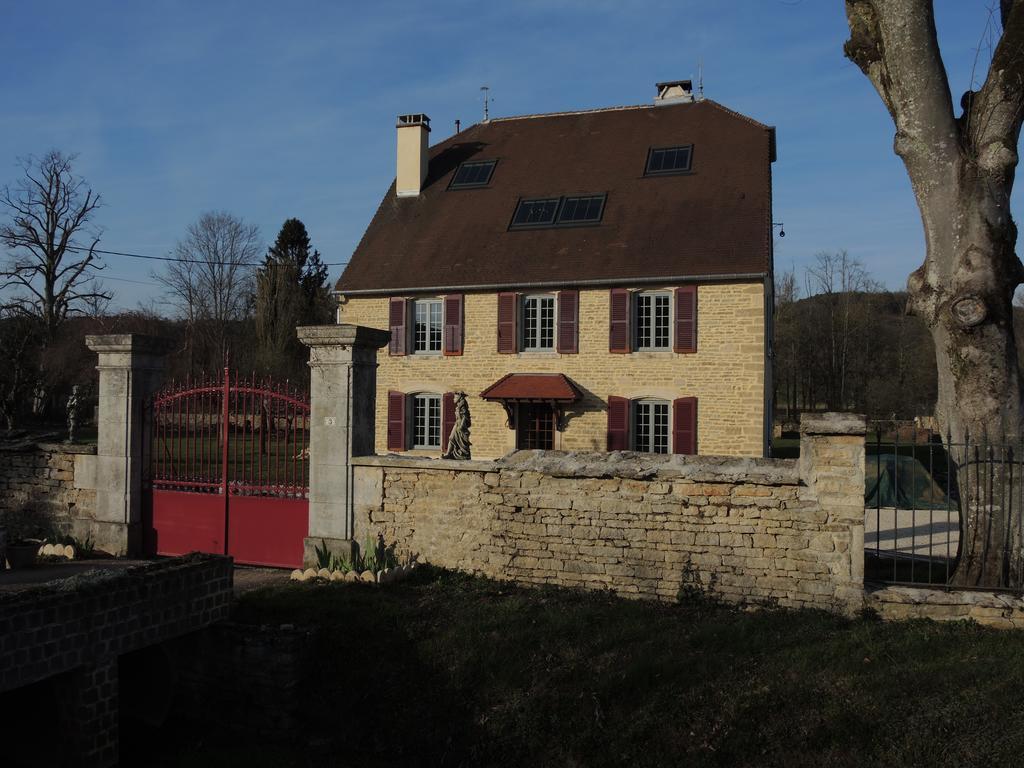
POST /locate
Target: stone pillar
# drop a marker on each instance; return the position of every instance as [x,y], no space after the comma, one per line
[343,382]
[130,366]
[832,467]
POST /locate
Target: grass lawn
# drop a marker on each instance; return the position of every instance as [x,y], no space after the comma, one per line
[444,669]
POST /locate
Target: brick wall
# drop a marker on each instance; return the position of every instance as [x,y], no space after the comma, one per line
[751,531]
[58,477]
[74,630]
[726,374]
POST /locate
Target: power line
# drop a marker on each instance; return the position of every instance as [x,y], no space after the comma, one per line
[79,249]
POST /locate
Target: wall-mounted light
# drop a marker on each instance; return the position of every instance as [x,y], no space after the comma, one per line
[780,225]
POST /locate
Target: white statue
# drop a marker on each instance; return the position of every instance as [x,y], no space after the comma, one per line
[72,412]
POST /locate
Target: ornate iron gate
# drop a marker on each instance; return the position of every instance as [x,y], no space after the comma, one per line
[229,470]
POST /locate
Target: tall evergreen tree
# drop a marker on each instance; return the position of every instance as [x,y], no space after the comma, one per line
[291,290]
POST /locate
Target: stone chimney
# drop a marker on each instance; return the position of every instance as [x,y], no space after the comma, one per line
[674,92]
[412,154]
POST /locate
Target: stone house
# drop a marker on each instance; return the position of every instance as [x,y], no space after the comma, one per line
[592,280]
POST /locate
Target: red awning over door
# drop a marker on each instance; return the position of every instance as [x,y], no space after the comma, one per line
[532,388]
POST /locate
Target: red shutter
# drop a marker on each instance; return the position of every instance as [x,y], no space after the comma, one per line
[396,321]
[447,418]
[507,323]
[618,332]
[686,319]
[396,421]
[453,324]
[684,425]
[568,322]
[618,424]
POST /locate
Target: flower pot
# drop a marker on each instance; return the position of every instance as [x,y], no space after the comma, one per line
[22,555]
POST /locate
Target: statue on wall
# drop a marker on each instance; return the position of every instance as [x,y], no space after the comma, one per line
[72,413]
[458,440]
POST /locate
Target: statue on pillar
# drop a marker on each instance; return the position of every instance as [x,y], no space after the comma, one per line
[458,440]
[72,414]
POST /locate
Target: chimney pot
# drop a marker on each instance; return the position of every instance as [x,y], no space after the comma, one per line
[674,92]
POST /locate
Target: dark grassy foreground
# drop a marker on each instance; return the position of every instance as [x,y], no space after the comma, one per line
[449,670]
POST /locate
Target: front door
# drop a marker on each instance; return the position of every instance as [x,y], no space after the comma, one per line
[536,427]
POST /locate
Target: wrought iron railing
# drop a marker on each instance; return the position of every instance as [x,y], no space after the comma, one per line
[921,489]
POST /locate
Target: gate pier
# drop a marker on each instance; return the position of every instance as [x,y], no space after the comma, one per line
[131,367]
[343,363]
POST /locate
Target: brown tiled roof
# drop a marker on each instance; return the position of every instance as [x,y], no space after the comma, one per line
[712,222]
[532,386]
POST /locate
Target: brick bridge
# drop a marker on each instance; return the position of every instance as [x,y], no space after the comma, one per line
[73,631]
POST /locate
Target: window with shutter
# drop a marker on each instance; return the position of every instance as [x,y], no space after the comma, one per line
[684,425]
[686,319]
[568,322]
[618,332]
[396,322]
[618,424]
[453,314]
[396,421]
[507,340]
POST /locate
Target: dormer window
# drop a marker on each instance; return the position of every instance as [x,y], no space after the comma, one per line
[558,211]
[475,173]
[669,160]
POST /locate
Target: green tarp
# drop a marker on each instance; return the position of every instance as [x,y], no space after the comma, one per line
[902,482]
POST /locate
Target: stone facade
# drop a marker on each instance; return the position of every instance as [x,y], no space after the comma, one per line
[750,531]
[726,374]
[59,478]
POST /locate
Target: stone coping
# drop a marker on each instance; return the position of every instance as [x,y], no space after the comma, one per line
[623,464]
[342,334]
[129,342]
[940,595]
[102,579]
[833,423]
[24,446]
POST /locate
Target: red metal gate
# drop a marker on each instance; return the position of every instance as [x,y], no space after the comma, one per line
[229,471]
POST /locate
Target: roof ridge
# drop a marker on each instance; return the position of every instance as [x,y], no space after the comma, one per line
[592,110]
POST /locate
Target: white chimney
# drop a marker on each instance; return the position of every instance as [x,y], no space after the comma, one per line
[412,154]
[674,92]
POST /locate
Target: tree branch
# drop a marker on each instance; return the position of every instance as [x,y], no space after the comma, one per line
[895,45]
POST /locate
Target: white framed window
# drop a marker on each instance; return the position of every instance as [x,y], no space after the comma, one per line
[426,421]
[652,320]
[428,325]
[650,426]
[538,323]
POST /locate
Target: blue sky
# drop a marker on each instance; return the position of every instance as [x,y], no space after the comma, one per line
[272,110]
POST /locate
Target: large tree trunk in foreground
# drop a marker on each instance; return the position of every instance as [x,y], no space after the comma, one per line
[962,171]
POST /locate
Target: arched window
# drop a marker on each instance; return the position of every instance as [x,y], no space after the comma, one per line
[425,417]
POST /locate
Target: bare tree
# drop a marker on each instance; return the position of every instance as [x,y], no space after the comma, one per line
[52,242]
[961,169]
[209,283]
[839,280]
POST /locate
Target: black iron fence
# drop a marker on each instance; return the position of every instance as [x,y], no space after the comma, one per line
[920,489]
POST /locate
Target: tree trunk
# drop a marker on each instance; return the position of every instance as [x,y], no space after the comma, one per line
[969,310]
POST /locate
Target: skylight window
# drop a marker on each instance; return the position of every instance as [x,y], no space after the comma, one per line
[581,210]
[669,160]
[558,211]
[536,213]
[476,173]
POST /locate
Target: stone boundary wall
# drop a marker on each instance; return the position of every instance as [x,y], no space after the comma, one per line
[60,478]
[993,609]
[750,531]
